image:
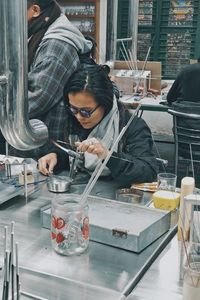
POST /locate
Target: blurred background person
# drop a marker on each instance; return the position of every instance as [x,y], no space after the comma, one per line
[186,86]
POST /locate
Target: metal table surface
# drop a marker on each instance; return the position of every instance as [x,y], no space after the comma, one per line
[161,281]
[103,271]
[147,103]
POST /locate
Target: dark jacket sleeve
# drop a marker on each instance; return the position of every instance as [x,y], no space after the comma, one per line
[175,90]
[136,162]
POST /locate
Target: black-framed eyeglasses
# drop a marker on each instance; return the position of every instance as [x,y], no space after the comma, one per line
[85,113]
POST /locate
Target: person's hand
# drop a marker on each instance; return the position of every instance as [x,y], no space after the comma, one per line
[47,163]
[93,146]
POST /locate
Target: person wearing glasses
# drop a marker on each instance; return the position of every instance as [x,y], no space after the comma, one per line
[94,120]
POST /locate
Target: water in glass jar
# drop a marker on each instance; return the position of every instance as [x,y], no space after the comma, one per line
[69,225]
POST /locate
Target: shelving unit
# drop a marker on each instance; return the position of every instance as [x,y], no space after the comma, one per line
[173,33]
[171,28]
[85,15]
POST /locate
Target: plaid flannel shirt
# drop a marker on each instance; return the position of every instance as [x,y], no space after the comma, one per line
[54,63]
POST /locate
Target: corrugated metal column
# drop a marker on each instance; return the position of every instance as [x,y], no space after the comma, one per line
[14,121]
[133,24]
[197,40]
[113,27]
[156,36]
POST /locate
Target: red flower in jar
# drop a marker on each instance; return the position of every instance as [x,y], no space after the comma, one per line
[53,235]
[60,238]
[85,229]
[58,223]
[54,221]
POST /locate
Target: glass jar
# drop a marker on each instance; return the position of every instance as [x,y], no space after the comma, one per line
[167,182]
[191,282]
[69,225]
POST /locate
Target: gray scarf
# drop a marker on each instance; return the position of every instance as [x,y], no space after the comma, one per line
[106,132]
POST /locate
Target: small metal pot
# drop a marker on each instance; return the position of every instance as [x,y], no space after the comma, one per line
[59,184]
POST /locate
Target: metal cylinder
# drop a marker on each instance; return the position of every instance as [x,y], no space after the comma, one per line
[133,24]
[14,122]
[113,27]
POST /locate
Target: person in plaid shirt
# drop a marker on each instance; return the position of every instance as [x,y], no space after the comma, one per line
[54,47]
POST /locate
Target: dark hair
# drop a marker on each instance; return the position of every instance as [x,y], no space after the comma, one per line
[94,80]
[42,3]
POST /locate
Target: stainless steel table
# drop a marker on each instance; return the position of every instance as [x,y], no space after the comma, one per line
[162,279]
[147,103]
[103,272]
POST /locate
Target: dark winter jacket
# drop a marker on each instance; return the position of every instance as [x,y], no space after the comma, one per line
[186,87]
[134,162]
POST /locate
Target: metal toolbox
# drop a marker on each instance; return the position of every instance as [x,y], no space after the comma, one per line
[123,225]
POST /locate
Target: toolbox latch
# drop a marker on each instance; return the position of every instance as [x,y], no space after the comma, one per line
[119,233]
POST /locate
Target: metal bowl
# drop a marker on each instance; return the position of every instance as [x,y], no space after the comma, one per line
[129,195]
[59,184]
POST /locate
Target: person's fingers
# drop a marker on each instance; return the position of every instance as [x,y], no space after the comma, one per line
[83,146]
[92,146]
[101,152]
[98,151]
[52,164]
[78,145]
[91,149]
[47,163]
[42,166]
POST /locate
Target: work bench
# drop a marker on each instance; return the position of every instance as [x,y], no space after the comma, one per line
[161,281]
[147,103]
[102,272]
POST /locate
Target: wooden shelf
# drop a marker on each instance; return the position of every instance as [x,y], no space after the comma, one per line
[94,17]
